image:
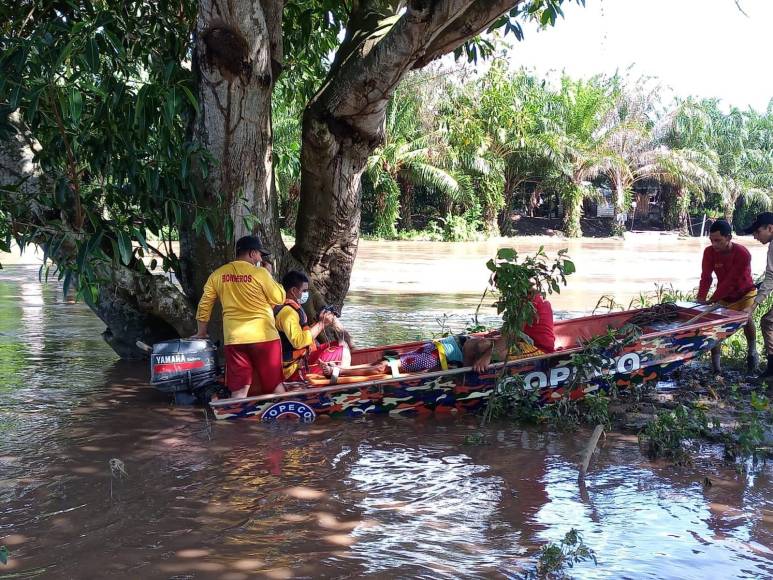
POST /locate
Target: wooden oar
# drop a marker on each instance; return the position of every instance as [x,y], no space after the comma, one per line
[709,310]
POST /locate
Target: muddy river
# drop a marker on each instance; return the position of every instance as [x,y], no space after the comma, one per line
[102,478]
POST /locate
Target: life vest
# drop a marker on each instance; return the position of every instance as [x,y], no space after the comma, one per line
[292,355]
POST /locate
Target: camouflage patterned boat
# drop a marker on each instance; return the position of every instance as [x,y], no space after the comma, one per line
[661,348]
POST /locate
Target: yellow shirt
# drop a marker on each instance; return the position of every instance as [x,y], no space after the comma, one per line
[289,322]
[248,295]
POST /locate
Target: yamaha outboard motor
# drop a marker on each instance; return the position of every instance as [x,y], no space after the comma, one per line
[187,368]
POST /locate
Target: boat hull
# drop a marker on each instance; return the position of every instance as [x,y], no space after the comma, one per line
[653,356]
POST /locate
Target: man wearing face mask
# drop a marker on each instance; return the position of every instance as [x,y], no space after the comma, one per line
[299,344]
[247,293]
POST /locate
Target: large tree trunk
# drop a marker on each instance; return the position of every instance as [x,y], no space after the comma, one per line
[237,55]
[344,122]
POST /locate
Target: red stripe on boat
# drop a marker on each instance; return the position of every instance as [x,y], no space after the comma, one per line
[176,367]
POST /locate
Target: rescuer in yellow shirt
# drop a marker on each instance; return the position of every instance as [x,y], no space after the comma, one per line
[248,293]
[299,345]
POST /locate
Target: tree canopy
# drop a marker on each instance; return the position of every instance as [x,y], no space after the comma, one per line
[124,125]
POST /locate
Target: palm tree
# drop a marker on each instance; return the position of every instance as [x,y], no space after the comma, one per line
[739,142]
[407,159]
[689,172]
[578,141]
[635,148]
[745,165]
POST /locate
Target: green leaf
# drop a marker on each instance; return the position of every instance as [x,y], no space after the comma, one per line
[506,254]
[137,232]
[139,107]
[125,247]
[194,103]
[32,108]
[75,100]
[229,229]
[199,222]
[208,234]
[92,55]
[13,102]
[569,267]
[170,106]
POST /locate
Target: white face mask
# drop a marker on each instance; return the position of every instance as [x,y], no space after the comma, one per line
[304,297]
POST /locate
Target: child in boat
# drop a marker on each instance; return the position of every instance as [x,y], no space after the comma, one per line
[431,356]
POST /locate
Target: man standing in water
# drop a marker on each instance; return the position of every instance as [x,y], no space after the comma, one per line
[732,265]
[762,230]
[248,293]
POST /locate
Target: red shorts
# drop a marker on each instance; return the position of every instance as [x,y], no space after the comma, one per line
[258,364]
[328,352]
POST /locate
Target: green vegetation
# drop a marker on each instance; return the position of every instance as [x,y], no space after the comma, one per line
[461,157]
[749,435]
[734,348]
[554,559]
[516,279]
[667,435]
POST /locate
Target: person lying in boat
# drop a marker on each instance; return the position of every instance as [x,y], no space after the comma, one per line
[433,355]
[301,353]
[495,347]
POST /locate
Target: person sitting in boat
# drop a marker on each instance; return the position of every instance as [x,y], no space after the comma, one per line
[480,352]
[300,351]
[433,355]
[732,265]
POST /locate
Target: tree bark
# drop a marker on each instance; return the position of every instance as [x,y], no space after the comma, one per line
[344,122]
[237,56]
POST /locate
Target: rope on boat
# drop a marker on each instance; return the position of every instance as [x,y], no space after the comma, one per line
[665,312]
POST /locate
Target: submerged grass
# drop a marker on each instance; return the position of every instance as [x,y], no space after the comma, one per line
[668,434]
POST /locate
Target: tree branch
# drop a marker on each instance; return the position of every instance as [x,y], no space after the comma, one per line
[424,32]
[472,22]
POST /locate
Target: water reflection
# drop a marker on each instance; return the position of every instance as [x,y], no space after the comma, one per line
[375,497]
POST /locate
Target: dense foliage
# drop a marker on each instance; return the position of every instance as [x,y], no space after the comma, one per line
[463,155]
[102,89]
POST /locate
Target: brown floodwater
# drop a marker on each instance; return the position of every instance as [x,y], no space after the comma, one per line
[101,477]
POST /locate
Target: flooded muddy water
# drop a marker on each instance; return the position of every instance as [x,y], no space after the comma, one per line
[398,288]
[100,477]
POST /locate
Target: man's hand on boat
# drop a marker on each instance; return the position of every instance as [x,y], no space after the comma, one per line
[201,332]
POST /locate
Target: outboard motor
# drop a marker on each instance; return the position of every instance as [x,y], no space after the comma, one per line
[186,368]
